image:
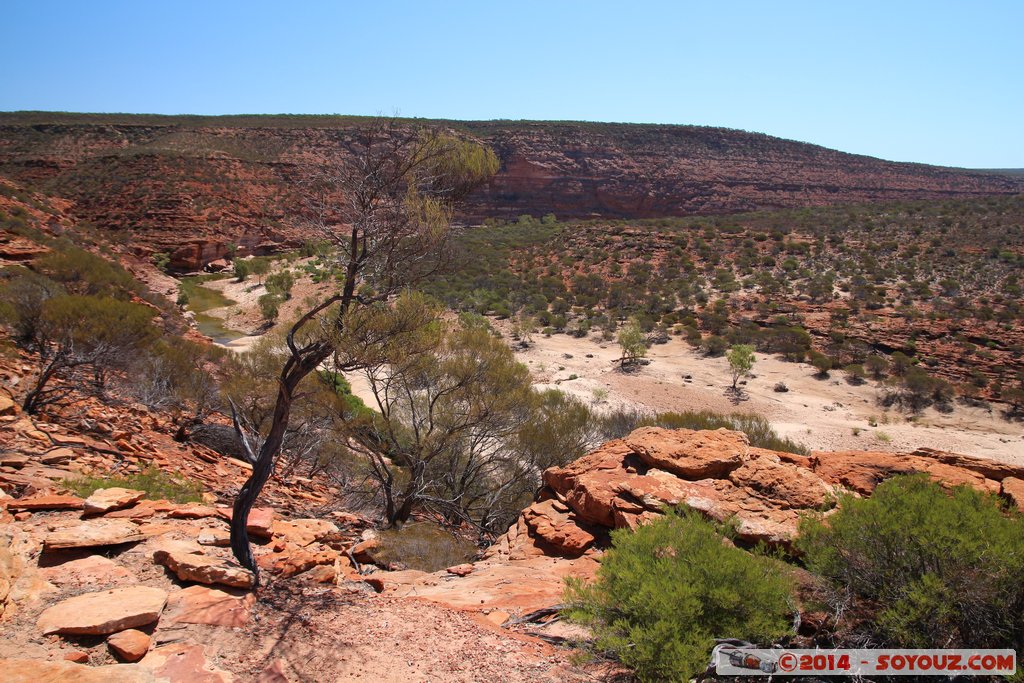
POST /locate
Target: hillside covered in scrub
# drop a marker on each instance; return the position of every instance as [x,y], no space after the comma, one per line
[193,186]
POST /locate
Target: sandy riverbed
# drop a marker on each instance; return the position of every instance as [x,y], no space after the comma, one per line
[822,414]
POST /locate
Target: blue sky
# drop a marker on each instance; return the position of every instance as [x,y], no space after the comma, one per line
[935,82]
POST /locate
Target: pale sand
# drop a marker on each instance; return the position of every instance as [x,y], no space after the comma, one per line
[821,414]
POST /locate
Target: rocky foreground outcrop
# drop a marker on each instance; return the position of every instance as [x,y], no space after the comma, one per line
[762,493]
[629,481]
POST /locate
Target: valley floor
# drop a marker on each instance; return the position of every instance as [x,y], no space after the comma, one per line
[823,414]
[827,414]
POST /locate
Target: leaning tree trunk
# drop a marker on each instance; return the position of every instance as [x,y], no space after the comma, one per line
[294,372]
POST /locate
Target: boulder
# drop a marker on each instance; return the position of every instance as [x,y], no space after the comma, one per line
[191,565]
[765,475]
[105,500]
[690,454]
[1013,490]
[460,569]
[38,671]
[553,523]
[93,534]
[104,612]
[202,605]
[130,645]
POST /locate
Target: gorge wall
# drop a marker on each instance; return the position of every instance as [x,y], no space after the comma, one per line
[193,185]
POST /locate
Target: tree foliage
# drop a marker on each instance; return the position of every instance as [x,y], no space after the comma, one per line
[741,361]
[632,342]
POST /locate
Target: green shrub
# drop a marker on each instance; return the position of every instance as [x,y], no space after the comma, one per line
[155,482]
[941,568]
[269,307]
[665,592]
[281,284]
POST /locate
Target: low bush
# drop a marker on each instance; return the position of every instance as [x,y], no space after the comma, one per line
[923,566]
[157,484]
[424,546]
[665,592]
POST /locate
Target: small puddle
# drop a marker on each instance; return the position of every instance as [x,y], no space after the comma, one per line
[202,299]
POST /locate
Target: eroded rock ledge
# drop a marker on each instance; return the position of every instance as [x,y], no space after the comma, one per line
[628,481]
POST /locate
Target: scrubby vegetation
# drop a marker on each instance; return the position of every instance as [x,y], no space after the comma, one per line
[665,592]
[922,567]
[424,546]
[158,485]
[937,282]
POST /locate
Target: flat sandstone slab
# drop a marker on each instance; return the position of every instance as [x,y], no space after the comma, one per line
[38,671]
[104,612]
[94,533]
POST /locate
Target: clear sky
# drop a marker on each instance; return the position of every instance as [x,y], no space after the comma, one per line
[936,82]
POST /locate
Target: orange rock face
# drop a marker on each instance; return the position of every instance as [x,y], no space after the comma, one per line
[627,482]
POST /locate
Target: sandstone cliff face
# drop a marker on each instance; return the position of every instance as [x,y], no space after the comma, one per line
[626,482]
[189,186]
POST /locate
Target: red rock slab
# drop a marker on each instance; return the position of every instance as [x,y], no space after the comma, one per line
[130,645]
[292,560]
[862,471]
[46,503]
[184,663]
[191,566]
[202,605]
[260,522]
[196,511]
[38,671]
[303,532]
[107,500]
[94,533]
[104,612]
[92,570]
[363,551]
